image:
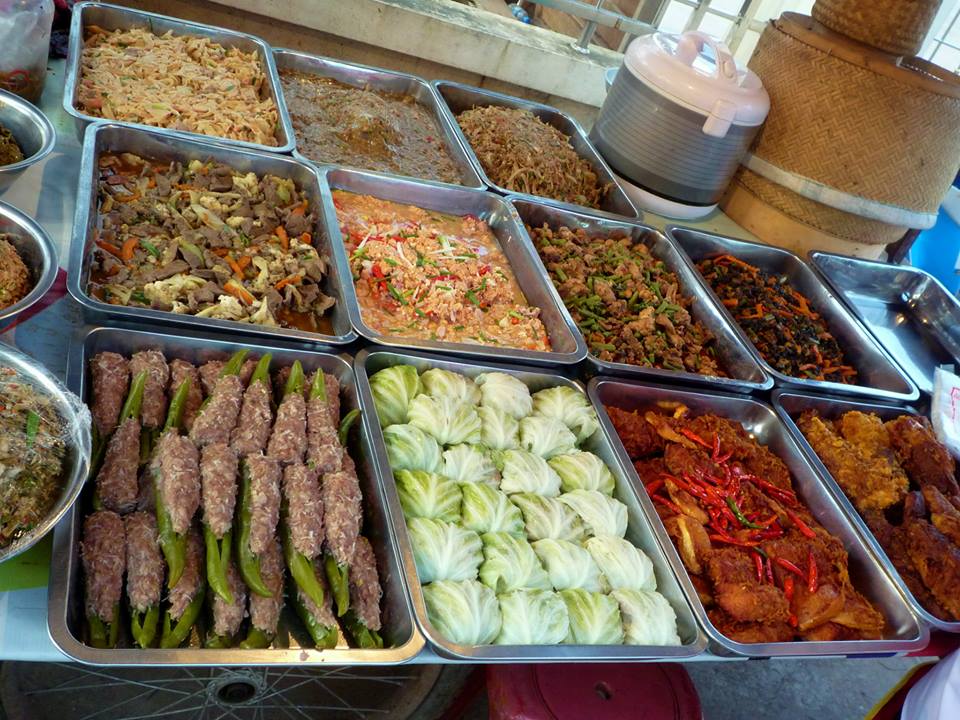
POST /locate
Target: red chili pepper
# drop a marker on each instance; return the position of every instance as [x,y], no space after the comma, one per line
[758,564]
[484,269]
[801,525]
[768,571]
[771,534]
[733,541]
[789,566]
[722,459]
[716,447]
[785,496]
[812,572]
[788,587]
[377,272]
[691,435]
[337,205]
[654,486]
[794,622]
[668,503]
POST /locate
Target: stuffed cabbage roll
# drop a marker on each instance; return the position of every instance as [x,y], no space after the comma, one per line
[648,619]
[466,612]
[501,391]
[568,565]
[393,388]
[601,514]
[444,551]
[499,430]
[569,406]
[594,618]
[525,472]
[443,383]
[448,420]
[470,464]
[545,436]
[545,517]
[509,563]
[580,470]
[485,509]
[428,495]
[410,448]
[624,566]
[532,617]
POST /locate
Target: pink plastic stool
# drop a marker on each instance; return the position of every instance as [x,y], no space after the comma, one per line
[592,692]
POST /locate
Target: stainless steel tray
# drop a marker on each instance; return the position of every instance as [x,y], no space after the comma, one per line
[65,608]
[368,362]
[566,340]
[363,76]
[867,572]
[458,98]
[909,311]
[114,17]
[110,137]
[881,376]
[746,374]
[789,405]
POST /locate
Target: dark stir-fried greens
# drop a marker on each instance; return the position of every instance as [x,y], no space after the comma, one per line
[625,301]
[204,239]
[520,152]
[779,321]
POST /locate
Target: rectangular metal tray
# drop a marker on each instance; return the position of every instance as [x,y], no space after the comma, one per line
[566,340]
[867,572]
[909,311]
[115,17]
[736,357]
[458,97]
[364,76]
[368,362]
[789,405]
[110,137]
[883,378]
[65,608]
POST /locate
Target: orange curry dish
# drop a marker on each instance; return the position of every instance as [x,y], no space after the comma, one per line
[763,567]
[426,275]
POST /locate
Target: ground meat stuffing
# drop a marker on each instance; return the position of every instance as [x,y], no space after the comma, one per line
[181,370]
[625,301]
[218,474]
[365,589]
[110,375]
[265,611]
[190,582]
[154,408]
[342,514]
[178,468]
[144,563]
[264,501]
[301,489]
[217,419]
[103,552]
[289,438]
[253,426]
[117,483]
[228,616]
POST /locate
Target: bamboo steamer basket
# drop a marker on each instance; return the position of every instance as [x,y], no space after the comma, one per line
[896,26]
[858,147]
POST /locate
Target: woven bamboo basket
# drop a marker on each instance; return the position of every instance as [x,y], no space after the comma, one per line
[896,26]
[856,147]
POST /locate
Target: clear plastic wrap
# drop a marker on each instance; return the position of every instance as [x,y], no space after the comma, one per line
[24,45]
[44,450]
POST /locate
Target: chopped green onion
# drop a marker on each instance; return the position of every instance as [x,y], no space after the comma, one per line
[33,425]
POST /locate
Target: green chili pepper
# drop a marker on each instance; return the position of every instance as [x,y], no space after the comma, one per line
[174,635]
[323,636]
[143,626]
[248,563]
[233,365]
[173,545]
[295,382]
[138,296]
[732,504]
[338,577]
[363,636]
[218,642]
[256,639]
[218,559]
[300,566]
[344,432]
[261,373]
[104,635]
[33,425]
[177,405]
[151,248]
[318,388]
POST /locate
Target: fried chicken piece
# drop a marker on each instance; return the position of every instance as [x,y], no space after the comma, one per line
[858,614]
[733,438]
[944,516]
[702,586]
[938,562]
[750,632]
[765,464]
[863,467]
[639,437]
[740,594]
[687,503]
[650,470]
[893,540]
[691,540]
[926,461]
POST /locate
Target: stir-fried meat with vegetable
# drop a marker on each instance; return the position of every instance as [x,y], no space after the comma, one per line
[206,240]
[362,127]
[15,281]
[181,82]
[520,152]
[441,277]
[765,569]
[32,450]
[903,483]
[10,151]
[779,321]
[625,301]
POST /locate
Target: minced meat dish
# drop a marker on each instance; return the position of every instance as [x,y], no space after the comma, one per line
[15,280]
[32,449]
[365,128]
[520,152]
[421,274]
[625,301]
[10,151]
[205,240]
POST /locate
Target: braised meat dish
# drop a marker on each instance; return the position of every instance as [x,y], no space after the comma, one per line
[764,568]
[902,480]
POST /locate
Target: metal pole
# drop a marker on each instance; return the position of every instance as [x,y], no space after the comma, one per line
[582,44]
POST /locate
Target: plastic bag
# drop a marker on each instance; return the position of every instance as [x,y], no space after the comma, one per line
[945,409]
[24,45]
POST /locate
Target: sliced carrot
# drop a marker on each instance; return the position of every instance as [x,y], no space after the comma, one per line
[108,247]
[126,252]
[281,232]
[306,238]
[220,252]
[243,262]
[127,198]
[239,292]
[288,280]
[237,270]
[151,183]
[300,209]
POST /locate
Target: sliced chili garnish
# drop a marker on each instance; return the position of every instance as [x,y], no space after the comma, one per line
[651,488]
[768,571]
[733,541]
[691,435]
[801,525]
[668,503]
[812,572]
[790,567]
[758,564]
